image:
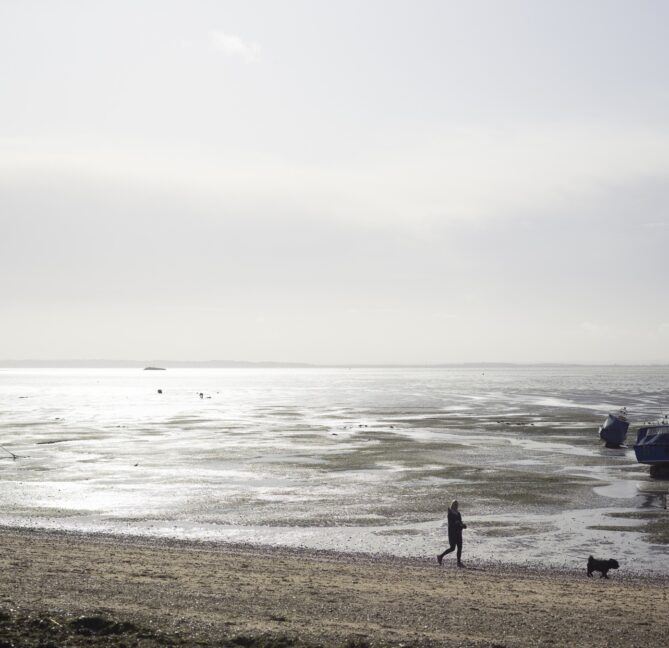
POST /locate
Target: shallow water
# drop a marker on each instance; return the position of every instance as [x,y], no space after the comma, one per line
[350,459]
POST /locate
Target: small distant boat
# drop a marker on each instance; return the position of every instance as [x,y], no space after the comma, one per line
[652,446]
[154,368]
[614,430]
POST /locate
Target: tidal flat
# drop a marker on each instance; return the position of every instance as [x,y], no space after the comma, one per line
[361,460]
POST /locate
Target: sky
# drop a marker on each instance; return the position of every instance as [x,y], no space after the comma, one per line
[335,182]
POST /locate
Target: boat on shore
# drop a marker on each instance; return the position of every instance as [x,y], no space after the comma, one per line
[652,447]
[614,430]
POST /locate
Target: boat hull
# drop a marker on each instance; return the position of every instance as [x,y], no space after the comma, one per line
[614,431]
[652,445]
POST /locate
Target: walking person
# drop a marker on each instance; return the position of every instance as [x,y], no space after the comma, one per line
[455,527]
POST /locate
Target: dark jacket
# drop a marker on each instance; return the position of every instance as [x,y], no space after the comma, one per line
[454,526]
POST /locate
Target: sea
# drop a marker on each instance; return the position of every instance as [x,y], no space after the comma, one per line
[352,460]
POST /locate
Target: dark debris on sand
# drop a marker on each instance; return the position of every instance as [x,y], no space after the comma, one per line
[55,630]
[49,630]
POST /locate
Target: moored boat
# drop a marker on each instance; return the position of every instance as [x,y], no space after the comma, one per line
[652,446]
[614,430]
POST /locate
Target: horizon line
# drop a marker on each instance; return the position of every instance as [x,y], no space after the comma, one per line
[101,363]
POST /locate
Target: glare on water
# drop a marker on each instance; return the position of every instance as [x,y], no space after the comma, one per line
[348,459]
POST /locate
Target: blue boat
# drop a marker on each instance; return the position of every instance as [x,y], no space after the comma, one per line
[652,446]
[614,430]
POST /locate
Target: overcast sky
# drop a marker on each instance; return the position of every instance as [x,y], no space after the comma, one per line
[337,182]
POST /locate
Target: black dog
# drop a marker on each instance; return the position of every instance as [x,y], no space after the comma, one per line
[601,566]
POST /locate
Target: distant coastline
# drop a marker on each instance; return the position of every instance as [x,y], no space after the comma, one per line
[244,364]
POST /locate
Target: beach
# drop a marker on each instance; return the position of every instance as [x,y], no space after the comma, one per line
[363,459]
[287,285]
[98,590]
[307,507]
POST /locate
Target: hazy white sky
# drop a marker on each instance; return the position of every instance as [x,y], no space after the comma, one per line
[335,181]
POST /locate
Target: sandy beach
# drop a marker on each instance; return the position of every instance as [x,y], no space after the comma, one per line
[83,590]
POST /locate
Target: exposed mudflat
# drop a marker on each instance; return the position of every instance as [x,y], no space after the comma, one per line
[77,590]
[361,460]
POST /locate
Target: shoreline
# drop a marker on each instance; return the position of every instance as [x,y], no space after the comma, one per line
[101,589]
[350,557]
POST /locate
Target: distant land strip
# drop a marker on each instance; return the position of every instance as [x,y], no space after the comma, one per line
[244,364]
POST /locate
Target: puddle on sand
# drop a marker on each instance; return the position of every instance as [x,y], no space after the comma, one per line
[619,489]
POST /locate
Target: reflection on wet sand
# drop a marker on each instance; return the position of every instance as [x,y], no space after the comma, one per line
[339,459]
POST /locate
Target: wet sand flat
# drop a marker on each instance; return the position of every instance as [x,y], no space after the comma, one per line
[78,590]
[364,459]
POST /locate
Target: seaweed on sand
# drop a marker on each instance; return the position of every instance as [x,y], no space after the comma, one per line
[53,630]
[50,630]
